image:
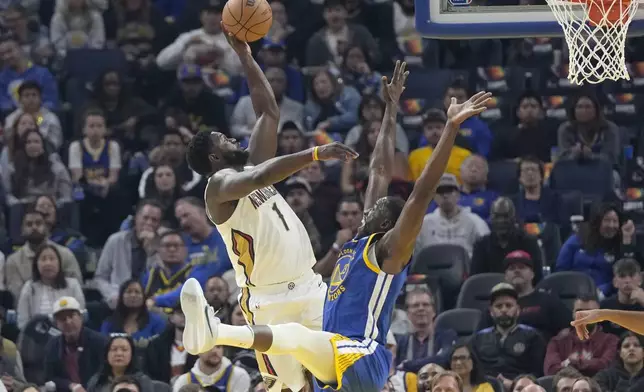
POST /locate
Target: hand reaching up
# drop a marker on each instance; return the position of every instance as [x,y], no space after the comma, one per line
[392,90]
[459,112]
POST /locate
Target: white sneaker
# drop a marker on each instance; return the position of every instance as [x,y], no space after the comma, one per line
[202,326]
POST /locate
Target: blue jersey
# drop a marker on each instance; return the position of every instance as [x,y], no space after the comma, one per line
[96,164]
[361,297]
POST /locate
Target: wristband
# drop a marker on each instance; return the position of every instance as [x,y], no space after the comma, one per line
[336,247]
[315,153]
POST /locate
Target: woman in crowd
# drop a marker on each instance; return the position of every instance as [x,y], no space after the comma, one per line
[627,373]
[76,24]
[47,285]
[463,362]
[163,186]
[131,315]
[332,106]
[34,172]
[358,72]
[587,384]
[358,169]
[606,237]
[120,360]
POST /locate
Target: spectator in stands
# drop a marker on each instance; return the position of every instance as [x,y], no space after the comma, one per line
[210,33]
[13,132]
[128,383]
[509,348]
[207,111]
[328,44]
[433,124]
[47,122]
[357,71]
[17,67]
[163,186]
[206,249]
[490,251]
[474,194]
[539,309]
[165,357]
[28,32]
[331,106]
[565,378]
[127,116]
[119,360]
[627,279]
[214,369]
[446,381]
[589,355]
[299,196]
[462,361]
[60,233]
[128,253]
[627,372]
[290,139]
[218,295]
[142,15]
[326,197]
[173,269]
[587,134]
[400,380]
[243,119]
[424,343]
[450,224]
[273,54]
[586,384]
[522,381]
[10,363]
[605,238]
[372,108]
[173,153]
[47,285]
[357,170]
[35,172]
[532,136]
[426,374]
[76,24]
[536,202]
[74,356]
[19,267]
[132,317]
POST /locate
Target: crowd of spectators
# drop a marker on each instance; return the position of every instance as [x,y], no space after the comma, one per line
[539,214]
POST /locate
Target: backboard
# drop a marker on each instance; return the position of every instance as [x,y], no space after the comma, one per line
[469,19]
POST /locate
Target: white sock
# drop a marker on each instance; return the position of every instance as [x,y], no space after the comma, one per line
[235,336]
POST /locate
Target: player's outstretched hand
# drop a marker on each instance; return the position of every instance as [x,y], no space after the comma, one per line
[459,112]
[336,151]
[583,318]
[391,90]
[240,47]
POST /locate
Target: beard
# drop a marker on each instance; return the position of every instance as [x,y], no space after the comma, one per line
[35,238]
[505,321]
[236,158]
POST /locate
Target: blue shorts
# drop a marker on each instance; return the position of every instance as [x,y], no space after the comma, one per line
[361,366]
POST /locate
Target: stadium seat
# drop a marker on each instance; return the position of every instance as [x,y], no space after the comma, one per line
[567,285]
[430,283]
[502,177]
[463,321]
[160,386]
[33,338]
[547,383]
[445,262]
[475,293]
[592,178]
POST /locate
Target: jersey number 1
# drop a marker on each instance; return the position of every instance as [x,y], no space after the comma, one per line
[281,216]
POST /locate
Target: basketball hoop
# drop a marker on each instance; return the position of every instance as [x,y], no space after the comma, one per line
[595,31]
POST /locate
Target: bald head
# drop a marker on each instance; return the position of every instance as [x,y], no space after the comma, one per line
[533,388]
[503,205]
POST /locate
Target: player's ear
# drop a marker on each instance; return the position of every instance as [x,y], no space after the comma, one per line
[386,224]
[213,158]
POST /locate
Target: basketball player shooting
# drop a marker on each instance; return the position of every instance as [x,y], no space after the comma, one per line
[267,244]
[350,354]
[631,320]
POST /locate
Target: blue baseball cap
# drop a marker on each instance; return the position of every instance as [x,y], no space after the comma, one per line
[188,71]
[268,43]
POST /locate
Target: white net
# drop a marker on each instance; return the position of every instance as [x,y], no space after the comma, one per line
[595,31]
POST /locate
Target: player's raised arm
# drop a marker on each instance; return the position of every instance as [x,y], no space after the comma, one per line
[229,184]
[263,140]
[395,248]
[382,157]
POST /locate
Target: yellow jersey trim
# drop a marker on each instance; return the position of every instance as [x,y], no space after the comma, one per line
[365,255]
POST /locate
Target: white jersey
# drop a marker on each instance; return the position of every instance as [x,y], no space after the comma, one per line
[266,242]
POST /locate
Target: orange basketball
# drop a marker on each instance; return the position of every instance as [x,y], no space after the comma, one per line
[248,20]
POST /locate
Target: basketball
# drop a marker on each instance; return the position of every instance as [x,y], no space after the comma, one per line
[248,20]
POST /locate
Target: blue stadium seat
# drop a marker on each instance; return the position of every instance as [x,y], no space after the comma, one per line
[503,177]
[446,263]
[567,285]
[592,178]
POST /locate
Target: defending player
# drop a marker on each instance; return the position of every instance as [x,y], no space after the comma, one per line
[350,353]
[268,245]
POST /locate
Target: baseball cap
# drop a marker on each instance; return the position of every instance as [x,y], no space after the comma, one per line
[66,303]
[268,43]
[434,116]
[188,71]
[290,125]
[518,256]
[447,182]
[214,6]
[298,183]
[503,289]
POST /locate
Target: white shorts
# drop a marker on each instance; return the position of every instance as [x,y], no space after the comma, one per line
[300,301]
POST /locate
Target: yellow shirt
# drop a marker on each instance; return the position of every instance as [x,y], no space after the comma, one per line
[484,387]
[419,157]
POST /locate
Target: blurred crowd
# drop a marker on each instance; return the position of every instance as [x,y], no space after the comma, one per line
[540,212]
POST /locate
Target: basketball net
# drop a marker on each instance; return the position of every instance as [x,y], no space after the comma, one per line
[595,32]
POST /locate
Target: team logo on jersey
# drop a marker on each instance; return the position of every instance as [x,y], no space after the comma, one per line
[269,382]
[339,275]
